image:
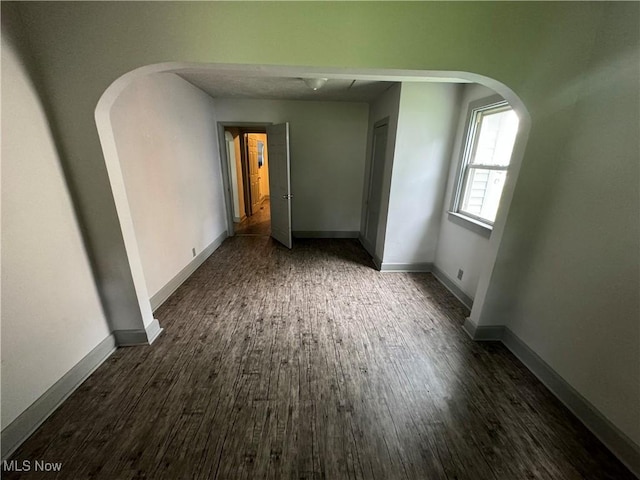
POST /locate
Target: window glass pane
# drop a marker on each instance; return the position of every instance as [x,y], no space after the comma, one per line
[496,138]
[482,193]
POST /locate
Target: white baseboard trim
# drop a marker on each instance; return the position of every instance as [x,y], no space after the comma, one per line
[617,441]
[28,421]
[450,285]
[165,292]
[485,333]
[470,329]
[627,451]
[365,245]
[130,338]
[325,234]
[134,338]
[406,267]
[153,331]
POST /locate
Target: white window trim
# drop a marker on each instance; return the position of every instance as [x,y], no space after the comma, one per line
[456,214]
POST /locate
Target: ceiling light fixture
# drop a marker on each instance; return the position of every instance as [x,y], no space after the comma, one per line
[315,83]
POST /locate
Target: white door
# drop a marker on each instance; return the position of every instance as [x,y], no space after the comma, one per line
[231,158]
[279,182]
[375,186]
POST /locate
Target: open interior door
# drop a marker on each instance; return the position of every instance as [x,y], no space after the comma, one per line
[279,182]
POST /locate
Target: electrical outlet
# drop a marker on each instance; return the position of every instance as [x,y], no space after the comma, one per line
[460,273]
[193,250]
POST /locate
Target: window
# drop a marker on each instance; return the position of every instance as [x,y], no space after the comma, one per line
[490,134]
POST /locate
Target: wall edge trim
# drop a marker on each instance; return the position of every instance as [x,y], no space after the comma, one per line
[444,279]
[153,331]
[131,338]
[485,333]
[618,443]
[625,449]
[20,429]
[172,285]
[422,267]
[325,234]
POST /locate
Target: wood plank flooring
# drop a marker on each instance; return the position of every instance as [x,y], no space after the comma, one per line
[310,364]
[257,224]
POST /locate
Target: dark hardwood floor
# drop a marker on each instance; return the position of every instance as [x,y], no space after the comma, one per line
[257,224]
[310,364]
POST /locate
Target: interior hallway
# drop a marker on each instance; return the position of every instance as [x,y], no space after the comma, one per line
[311,364]
[257,224]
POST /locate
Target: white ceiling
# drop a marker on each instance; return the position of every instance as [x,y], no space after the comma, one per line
[223,84]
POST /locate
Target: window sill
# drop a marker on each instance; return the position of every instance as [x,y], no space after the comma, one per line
[471,224]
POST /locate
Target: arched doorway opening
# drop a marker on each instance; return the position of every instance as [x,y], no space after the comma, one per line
[113,152]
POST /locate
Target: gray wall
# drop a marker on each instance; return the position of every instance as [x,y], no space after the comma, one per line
[567,277]
[166,136]
[420,166]
[51,312]
[385,106]
[460,247]
[327,141]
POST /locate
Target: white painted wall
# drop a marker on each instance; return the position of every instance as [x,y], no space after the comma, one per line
[328,141]
[459,247]
[51,312]
[385,106]
[571,244]
[166,136]
[420,166]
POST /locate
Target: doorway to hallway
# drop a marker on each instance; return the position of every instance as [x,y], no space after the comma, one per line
[249,167]
[256,170]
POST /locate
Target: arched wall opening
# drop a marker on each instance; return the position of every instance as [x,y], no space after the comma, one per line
[109,143]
